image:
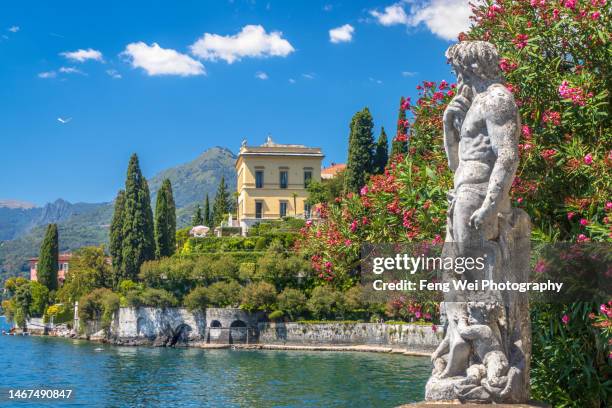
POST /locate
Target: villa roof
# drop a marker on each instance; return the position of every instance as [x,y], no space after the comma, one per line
[271,148]
[331,171]
[61,258]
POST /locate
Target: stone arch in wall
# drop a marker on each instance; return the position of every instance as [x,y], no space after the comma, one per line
[181,334]
[238,332]
[214,331]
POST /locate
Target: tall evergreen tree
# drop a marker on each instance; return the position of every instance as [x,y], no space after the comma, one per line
[381,155]
[222,203]
[116,238]
[165,221]
[48,260]
[207,215]
[138,231]
[400,141]
[360,153]
[197,218]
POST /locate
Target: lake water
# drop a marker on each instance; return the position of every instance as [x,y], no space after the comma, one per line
[111,376]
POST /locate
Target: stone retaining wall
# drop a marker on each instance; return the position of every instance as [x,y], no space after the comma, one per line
[408,336]
[176,326]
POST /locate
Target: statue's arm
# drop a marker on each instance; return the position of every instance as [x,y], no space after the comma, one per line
[453,118]
[503,125]
[451,144]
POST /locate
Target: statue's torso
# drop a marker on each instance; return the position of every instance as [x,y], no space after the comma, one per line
[476,154]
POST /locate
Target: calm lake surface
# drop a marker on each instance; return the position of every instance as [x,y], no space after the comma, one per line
[111,376]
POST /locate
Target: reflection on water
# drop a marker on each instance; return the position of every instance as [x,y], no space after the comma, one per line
[152,377]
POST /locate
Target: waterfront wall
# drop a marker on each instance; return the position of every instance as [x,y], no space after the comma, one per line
[178,326]
[405,336]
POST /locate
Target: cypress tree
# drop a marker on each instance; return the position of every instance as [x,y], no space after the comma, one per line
[400,141]
[138,231]
[207,215]
[48,260]
[165,221]
[381,156]
[197,217]
[222,203]
[116,238]
[360,153]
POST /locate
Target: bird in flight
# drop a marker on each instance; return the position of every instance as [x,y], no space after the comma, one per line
[63,120]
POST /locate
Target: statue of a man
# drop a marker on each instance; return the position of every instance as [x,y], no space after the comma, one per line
[481,130]
[485,353]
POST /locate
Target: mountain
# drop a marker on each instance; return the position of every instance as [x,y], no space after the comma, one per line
[22,226]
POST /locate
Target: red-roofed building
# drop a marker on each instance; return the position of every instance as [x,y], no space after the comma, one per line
[330,172]
[62,267]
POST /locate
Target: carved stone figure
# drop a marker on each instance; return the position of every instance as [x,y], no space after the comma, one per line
[485,354]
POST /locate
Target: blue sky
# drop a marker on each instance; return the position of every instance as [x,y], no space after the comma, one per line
[170,79]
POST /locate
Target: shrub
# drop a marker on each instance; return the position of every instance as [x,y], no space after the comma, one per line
[100,304]
[158,298]
[258,296]
[197,299]
[324,302]
[224,294]
[292,302]
[59,312]
[276,315]
[246,271]
[172,274]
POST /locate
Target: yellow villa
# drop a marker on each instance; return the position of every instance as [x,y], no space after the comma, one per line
[272,180]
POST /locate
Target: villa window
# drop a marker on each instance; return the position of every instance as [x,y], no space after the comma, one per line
[283,209]
[307,177]
[259,177]
[284,178]
[307,209]
[258,209]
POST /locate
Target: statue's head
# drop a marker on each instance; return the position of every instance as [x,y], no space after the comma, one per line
[474,60]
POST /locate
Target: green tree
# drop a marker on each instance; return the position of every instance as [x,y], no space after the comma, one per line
[116,238]
[49,258]
[89,270]
[40,298]
[138,241]
[258,296]
[165,221]
[197,218]
[222,203]
[360,152]
[381,155]
[207,214]
[400,141]
[292,302]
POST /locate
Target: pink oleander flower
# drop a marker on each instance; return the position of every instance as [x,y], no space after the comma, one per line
[406,103]
[494,9]
[556,14]
[609,205]
[595,15]
[540,266]
[582,238]
[434,328]
[565,319]
[571,215]
[443,85]
[364,190]
[552,117]
[417,314]
[570,4]
[588,159]
[584,222]
[427,316]
[354,226]
[520,41]
[309,223]
[519,200]
[348,242]
[526,131]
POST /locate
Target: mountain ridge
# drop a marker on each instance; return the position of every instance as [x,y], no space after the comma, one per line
[83,224]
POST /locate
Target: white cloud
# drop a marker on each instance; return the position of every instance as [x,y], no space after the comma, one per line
[251,41]
[47,75]
[70,70]
[376,81]
[409,73]
[328,7]
[443,18]
[13,29]
[113,73]
[83,55]
[308,76]
[161,61]
[291,81]
[392,15]
[341,34]
[261,75]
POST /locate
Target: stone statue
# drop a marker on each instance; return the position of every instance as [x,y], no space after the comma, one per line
[485,354]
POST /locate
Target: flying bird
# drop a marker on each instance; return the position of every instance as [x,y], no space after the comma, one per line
[64,121]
